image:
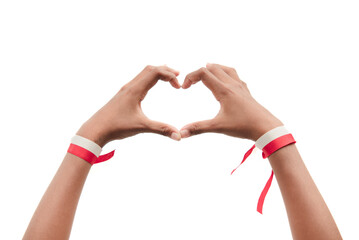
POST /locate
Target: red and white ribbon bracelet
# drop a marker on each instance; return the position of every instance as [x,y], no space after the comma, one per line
[88,150]
[269,142]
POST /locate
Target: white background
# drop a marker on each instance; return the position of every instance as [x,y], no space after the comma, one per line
[60,61]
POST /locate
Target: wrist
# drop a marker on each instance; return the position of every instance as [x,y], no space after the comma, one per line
[93,133]
[263,127]
[273,140]
[88,150]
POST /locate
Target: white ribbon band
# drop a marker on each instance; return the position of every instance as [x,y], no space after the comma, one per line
[87,144]
[270,136]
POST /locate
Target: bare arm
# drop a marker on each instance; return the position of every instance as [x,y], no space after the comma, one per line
[121,117]
[54,216]
[241,116]
[309,216]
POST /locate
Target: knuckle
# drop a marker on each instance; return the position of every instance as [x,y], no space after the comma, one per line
[189,76]
[213,67]
[242,84]
[125,88]
[203,70]
[226,90]
[156,71]
[171,79]
[210,67]
[188,80]
[232,70]
[164,130]
[149,68]
[223,93]
[238,85]
[170,76]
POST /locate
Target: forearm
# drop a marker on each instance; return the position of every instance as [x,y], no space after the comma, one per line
[242,116]
[121,117]
[54,215]
[308,215]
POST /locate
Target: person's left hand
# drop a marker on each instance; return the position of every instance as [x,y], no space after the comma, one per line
[122,116]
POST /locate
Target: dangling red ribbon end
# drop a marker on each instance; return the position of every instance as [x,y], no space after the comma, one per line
[245,157]
[269,143]
[105,157]
[264,194]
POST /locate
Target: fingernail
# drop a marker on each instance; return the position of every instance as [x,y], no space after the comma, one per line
[185,133]
[175,136]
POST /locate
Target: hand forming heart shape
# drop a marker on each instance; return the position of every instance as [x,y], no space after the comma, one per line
[240,114]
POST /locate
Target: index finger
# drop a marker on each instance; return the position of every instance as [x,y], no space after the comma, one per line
[145,80]
[230,71]
[209,80]
[152,74]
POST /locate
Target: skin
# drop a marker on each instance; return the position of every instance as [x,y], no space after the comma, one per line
[239,116]
[242,116]
[121,117]
[309,216]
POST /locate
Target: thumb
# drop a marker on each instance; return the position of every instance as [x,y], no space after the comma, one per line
[197,128]
[163,129]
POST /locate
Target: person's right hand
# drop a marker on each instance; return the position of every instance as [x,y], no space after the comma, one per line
[122,116]
[240,114]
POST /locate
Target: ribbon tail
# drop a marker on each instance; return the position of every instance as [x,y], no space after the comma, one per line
[264,194]
[245,157]
[105,157]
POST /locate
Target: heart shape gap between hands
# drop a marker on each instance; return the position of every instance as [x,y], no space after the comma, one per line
[179,106]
